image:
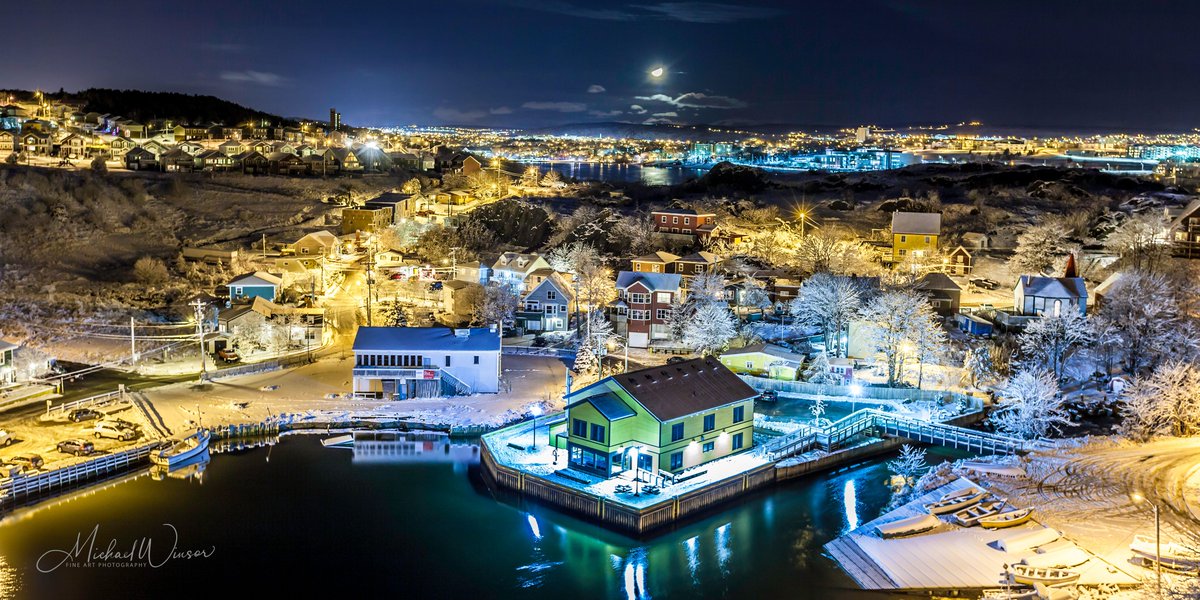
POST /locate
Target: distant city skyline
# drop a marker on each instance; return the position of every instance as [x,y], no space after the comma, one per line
[519,63]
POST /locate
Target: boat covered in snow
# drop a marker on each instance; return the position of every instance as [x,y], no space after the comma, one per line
[909,526]
[955,501]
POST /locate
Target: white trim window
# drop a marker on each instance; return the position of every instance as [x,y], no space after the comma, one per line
[639,315]
[639,298]
[660,314]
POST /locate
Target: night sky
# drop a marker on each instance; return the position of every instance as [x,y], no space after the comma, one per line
[1042,63]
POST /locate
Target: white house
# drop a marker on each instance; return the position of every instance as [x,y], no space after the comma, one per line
[424,362]
[512,268]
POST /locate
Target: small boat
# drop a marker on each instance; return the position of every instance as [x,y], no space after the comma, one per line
[1030,575]
[909,526]
[1045,592]
[1171,555]
[970,516]
[1063,558]
[954,502]
[338,441]
[183,450]
[1011,518]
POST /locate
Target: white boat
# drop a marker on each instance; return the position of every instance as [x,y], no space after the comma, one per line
[1011,518]
[909,526]
[183,450]
[1032,575]
[955,501]
[338,441]
[972,514]
[1170,555]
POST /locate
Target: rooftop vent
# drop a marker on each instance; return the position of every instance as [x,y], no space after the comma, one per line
[462,333]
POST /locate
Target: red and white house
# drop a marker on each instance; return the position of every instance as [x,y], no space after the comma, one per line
[643,307]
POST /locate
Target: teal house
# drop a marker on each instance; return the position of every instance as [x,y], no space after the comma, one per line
[258,284]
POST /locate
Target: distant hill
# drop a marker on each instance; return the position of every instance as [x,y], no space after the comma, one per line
[641,131]
[146,106]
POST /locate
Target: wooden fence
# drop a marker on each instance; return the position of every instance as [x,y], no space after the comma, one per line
[15,489]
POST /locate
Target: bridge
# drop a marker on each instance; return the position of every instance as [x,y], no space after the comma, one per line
[879,423]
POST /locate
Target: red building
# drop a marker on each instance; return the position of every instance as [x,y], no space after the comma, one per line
[684,221]
[644,306]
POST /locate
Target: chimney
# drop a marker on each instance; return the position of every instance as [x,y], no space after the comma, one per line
[1070,270]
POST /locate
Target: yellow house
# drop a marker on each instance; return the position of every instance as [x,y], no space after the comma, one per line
[764,360]
[913,233]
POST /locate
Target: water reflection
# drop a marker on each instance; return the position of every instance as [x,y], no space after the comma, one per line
[410,447]
[647,174]
[10,580]
[721,537]
[850,499]
[634,574]
[691,547]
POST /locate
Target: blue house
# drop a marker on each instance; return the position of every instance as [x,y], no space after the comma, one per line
[258,284]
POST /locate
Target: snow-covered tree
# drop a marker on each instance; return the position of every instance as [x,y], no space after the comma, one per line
[99,166]
[1051,340]
[710,328]
[1142,312]
[707,288]
[756,296]
[1030,406]
[530,177]
[978,365]
[893,323]
[411,187]
[1138,241]
[930,344]
[1039,249]
[552,179]
[830,249]
[394,315]
[636,234]
[818,410]
[910,465]
[585,361]
[1167,402]
[495,306]
[679,315]
[598,332]
[150,270]
[829,302]
[818,371]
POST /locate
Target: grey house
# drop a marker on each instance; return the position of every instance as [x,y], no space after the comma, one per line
[547,307]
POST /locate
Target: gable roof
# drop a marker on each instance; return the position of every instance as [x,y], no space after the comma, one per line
[702,256]
[916,223]
[658,257]
[257,278]
[426,339]
[516,262]
[653,281]
[937,281]
[1190,210]
[673,391]
[1053,287]
[681,212]
[556,280]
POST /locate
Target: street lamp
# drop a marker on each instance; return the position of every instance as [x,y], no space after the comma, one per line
[1138,499]
[537,412]
[635,451]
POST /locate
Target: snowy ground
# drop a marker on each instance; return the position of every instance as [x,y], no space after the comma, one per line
[320,392]
[514,447]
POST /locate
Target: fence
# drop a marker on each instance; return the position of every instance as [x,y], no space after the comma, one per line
[21,486]
[565,353]
[862,392]
[97,400]
[262,367]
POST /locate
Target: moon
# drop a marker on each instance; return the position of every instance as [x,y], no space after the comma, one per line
[657,72]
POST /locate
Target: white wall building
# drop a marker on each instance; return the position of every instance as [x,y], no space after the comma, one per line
[424,362]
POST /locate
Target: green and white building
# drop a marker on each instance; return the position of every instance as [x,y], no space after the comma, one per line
[668,418]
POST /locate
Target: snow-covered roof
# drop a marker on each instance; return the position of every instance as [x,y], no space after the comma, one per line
[610,405]
[1188,211]
[937,281]
[1053,287]
[659,257]
[7,345]
[395,339]
[257,278]
[916,223]
[768,349]
[653,281]
[1108,283]
[700,257]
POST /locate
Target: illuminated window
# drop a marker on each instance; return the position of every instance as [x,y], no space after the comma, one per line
[677,432]
[708,446]
[710,422]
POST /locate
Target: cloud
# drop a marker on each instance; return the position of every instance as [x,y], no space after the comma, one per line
[658,121]
[667,114]
[596,88]
[256,77]
[637,109]
[501,110]
[687,12]
[567,107]
[695,100]
[709,12]
[453,114]
[605,113]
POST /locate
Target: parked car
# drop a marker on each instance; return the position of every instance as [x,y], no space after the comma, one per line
[5,438]
[27,462]
[768,396]
[83,414]
[983,282]
[675,359]
[108,430]
[228,355]
[7,470]
[117,423]
[77,447]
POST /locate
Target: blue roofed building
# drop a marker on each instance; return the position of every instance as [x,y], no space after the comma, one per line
[394,363]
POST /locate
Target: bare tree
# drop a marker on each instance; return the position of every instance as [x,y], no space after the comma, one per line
[829,302]
[496,305]
[1142,314]
[1030,406]
[1040,248]
[1165,403]
[894,322]
[1138,242]
[1052,339]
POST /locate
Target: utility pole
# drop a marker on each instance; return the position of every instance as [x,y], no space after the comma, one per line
[264,243]
[370,280]
[132,343]
[199,308]
[454,263]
